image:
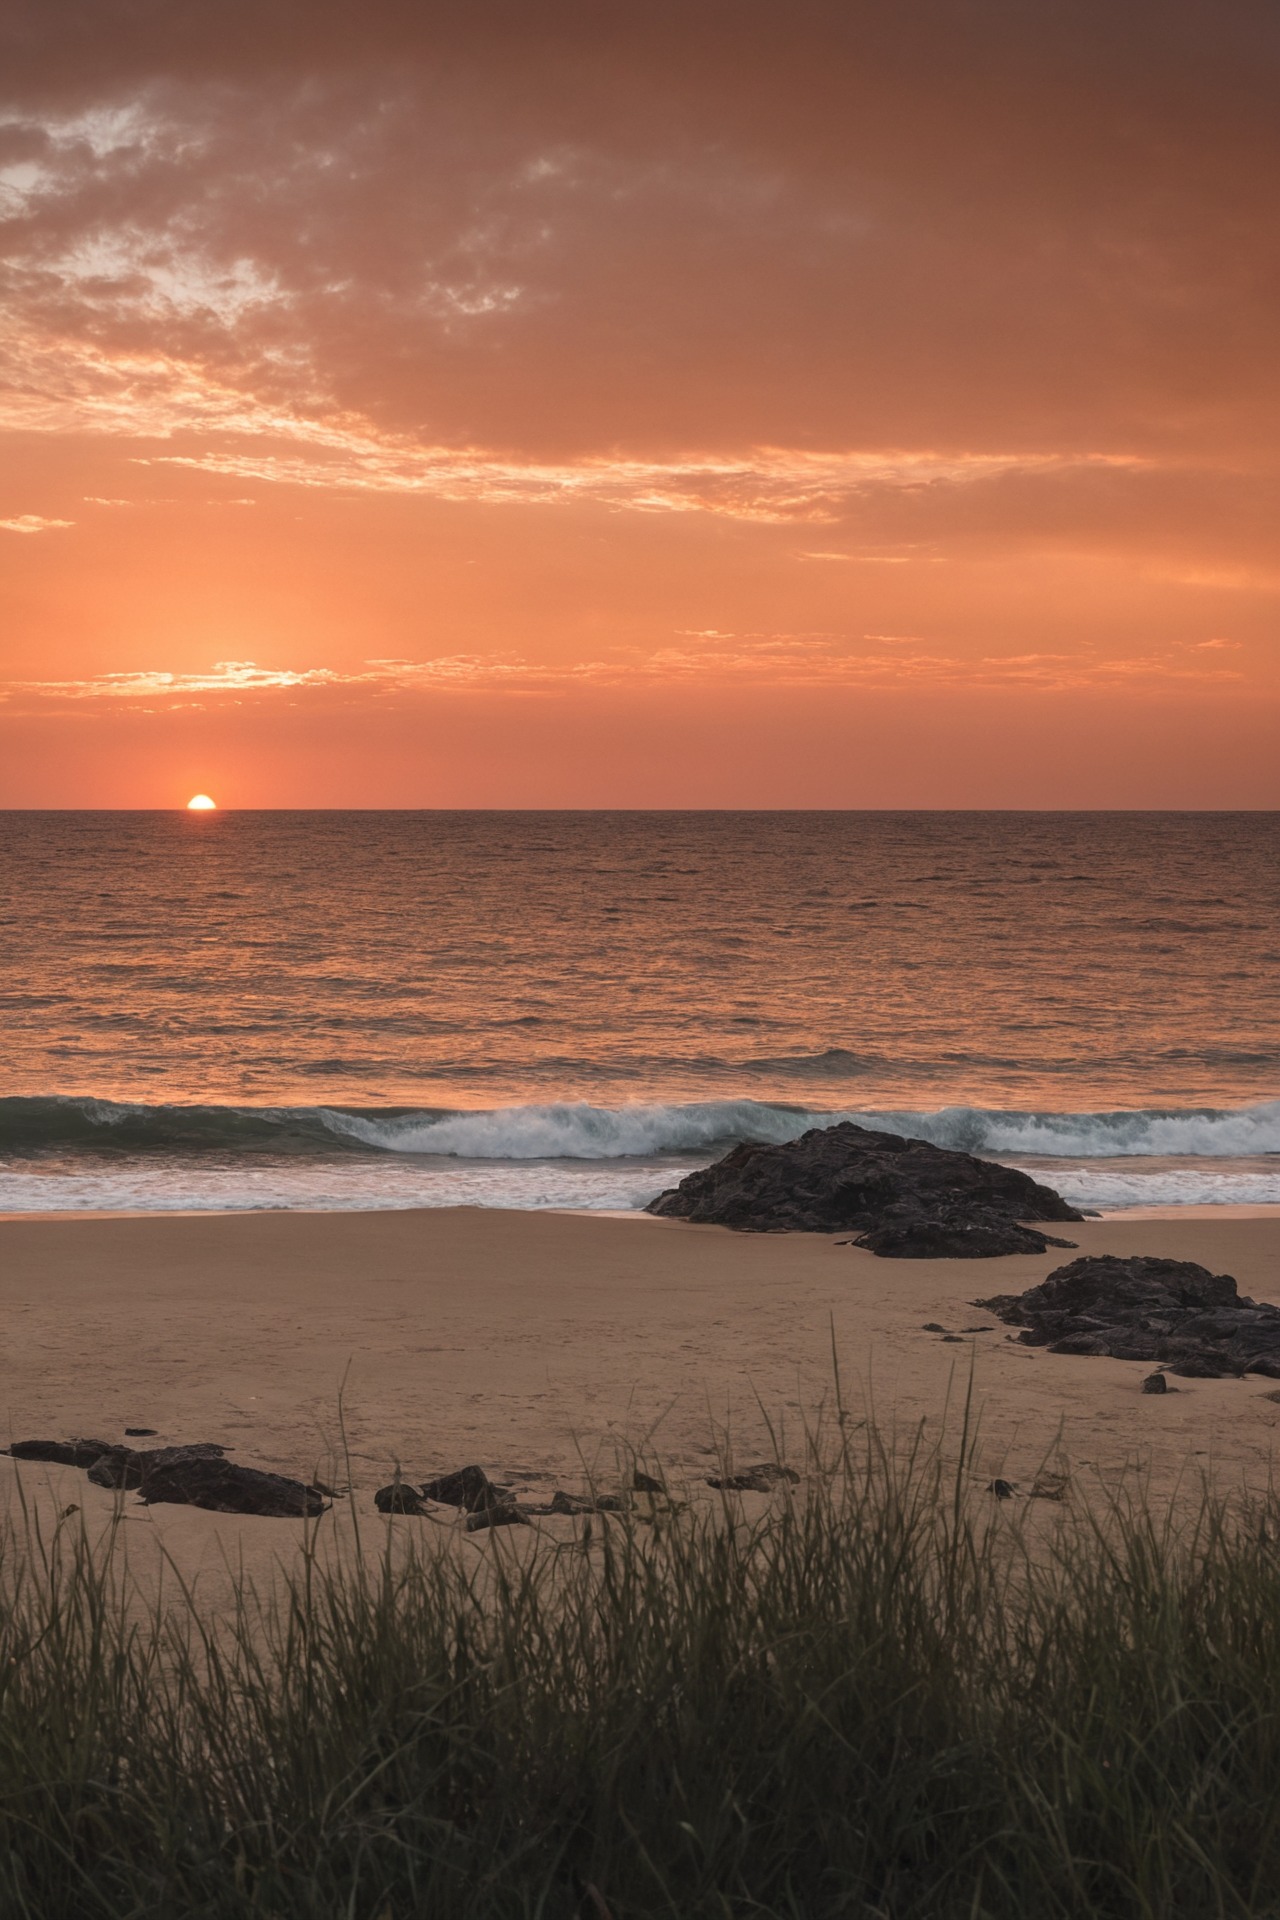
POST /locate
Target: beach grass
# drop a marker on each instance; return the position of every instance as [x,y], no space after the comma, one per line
[882,1692]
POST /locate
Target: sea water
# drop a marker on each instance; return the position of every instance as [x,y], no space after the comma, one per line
[574,1009]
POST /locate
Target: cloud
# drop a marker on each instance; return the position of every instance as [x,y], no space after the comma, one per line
[726,660]
[33,523]
[59,386]
[505,242]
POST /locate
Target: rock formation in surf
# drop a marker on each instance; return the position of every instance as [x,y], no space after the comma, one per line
[905,1199]
[1193,1322]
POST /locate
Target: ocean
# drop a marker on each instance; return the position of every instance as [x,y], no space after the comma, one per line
[358,1010]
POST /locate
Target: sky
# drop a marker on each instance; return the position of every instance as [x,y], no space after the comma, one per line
[696,403]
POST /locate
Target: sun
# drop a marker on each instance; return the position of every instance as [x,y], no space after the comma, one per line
[201,803]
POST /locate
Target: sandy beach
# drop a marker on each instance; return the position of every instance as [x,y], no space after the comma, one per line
[535,1344]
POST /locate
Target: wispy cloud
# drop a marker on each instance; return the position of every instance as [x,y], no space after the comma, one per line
[761,660]
[34,523]
[77,386]
[763,483]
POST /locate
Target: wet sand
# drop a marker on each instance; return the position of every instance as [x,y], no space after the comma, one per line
[536,1343]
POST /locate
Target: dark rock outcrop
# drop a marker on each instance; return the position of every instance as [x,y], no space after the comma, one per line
[505,1514]
[580,1503]
[570,1503]
[127,1467]
[1173,1312]
[469,1488]
[762,1478]
[922,1238]
[193,1476]
[398,1498]
[205,1480]
[62,1453]
[907,1199]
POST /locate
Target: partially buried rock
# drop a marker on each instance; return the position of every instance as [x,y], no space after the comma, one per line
[1155,1383]
[195,1476]
[62,1453]
[398,1498]
[946,1239]
[762,1478]
[1192,1322]
[219,1486]
[469,1488]
[570,1503]
[1050,1485]
[127,1467]
[905,1198]
[505,1514]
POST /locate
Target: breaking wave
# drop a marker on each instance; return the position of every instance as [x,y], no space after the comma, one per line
[579,1131]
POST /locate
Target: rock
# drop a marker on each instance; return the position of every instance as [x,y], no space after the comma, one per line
[645,1483]
[62,1453]
[470,1488]
[201,1479]
[1205,1366]
[1050,1486]
[953,1239]
[1002,1489]
[116,1467]
[758,1479]
[931,1326]
[1085,1343]
[125,1467]
[570,1503]
[398,1498]
[905,1198]
[196,1476]
[139,1433]
[1155,1383]
[1193,1322]
[504,1514]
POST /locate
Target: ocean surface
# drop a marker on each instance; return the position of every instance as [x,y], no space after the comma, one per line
[333,1010]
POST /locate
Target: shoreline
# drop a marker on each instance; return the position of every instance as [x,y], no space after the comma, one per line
[1195,1210]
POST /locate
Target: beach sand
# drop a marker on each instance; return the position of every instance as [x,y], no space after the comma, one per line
[537,1343]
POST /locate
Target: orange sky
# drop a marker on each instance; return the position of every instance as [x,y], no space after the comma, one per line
[681,404]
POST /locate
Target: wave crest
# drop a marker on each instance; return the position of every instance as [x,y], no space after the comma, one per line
[578,1131]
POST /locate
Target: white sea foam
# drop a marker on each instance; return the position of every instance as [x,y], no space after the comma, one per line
[578,1131]
[1109,1188]
[578,1155]
[290,1183]
[159,1183]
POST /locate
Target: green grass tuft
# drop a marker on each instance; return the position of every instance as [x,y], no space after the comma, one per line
[882,1696]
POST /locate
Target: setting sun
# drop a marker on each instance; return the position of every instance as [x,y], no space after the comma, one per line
[201,803]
